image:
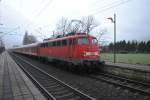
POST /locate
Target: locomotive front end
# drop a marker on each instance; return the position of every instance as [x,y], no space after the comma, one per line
[88,50]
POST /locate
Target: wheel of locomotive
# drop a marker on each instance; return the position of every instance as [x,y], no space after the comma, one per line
[91,67]
[97,66]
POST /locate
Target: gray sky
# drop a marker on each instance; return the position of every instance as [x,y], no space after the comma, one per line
[133,17]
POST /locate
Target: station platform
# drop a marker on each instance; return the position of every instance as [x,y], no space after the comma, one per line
[144,68]
[136,72]
[14,84]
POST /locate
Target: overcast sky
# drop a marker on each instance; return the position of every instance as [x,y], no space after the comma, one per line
[133,17]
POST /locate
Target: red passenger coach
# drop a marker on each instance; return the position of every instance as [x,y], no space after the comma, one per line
[76,49]
[30,49]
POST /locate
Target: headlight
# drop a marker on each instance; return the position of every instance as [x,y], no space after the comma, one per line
[91,54]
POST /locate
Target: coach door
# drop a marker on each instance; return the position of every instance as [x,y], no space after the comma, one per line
[71,48]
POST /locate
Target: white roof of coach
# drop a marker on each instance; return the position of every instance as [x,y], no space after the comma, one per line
[28,45]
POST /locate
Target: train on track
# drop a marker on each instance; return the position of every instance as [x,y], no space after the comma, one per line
[73,49]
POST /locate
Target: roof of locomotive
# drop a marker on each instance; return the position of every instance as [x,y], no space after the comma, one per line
[55,39]
[67,37]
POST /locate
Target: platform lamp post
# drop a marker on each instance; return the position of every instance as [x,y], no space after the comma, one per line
[113,20]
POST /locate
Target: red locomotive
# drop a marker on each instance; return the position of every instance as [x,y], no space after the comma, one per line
[75,49]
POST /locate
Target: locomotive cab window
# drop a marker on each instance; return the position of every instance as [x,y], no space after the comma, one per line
[83,41]
[94,41]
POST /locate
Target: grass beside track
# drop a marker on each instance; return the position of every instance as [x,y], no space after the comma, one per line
[143,59]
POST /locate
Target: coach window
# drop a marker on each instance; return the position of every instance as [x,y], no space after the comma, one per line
[42,45]
[46,45]
[83,41]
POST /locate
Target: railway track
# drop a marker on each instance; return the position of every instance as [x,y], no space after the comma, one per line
[51,87]
[132,85]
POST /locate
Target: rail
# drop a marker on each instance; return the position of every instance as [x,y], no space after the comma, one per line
[133,85]
[51,87]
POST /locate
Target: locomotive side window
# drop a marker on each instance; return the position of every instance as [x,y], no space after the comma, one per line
[70,41]
[58,43]
[54,43]
[83,41]
[64,42]
[74,41]
[50,44]
[94,41]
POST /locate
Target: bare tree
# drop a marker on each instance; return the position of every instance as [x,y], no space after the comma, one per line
[62,26]
[99,33]
[74,26]
[88,24]
[65,26]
